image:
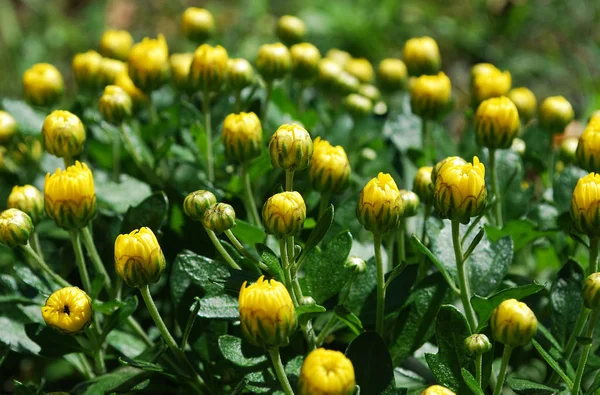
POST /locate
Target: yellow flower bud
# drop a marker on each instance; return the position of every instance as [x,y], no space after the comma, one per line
[149,63]
[555,114]
[392,75]
[196,203]
[240,73]
[326,372]
[110,70]
[567,150]
[449,161]
[477,344]
[291,148]
[115,104]
[411,202]
[525,101]
[116,44]
[328,74]
[273,61]
[8,126]
[305,61]
[430,95]
[380,205]
[69,196]
[460,191]
[585,205]
[358,105]
[482,69]
[28,199]
[15,227]
[518,146]
[513,323]
[137,96]
[358,265]
[43,84]
[219,218]
[361,68]
[591,296]
[284,214]
[242,136]
[493,84]
[329,169]
[267,314]
[437,390]
[139,260]
[347,83]
[86,69]
[180,70]
[588,148]
[423,186]
[595,119]
[370,92]
[290,30]
[197,24]
[496,123]
[422,56]
[338,56]
[64,134]
[69,310]
[209,68]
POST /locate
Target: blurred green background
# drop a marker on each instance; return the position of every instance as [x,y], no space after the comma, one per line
[551,46]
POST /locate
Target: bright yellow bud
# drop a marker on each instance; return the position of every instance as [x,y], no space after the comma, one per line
[422,56]
[284,214]
[267,314]
[69,310]
[240,73]
[513,323]
[116,44]
[290,29]
[305,61]
[329,169]
[360,68]
[449,161]
[380,205]
[338,56]
[430,95]
[197,24]
[209,68]
[86,69]
[28,199]
[110,70]
[196,203]
[273,61]
[392,75]
[139,260]
[525,101]
[8,126]
[219,218]
[43,84]
[115,105]
[591,294]
[242,136]
[149,63]
[180,70]
[138,97]
[326,372]
[555,114]
[411,202]
[437,390]
[585,205]
[64,134]
[346,83]
[460,191]
[291,148]
[358,105]
[69,196]
[15,227]
[423,186]
[370,92]
[588,148]
[493,84]
[482,69]
[567,151]
[496,123]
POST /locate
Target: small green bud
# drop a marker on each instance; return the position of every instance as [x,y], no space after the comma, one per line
[411,202]
[219,218]
[15,227]
[358,265]
[477,344]
[591,296]
[196,203]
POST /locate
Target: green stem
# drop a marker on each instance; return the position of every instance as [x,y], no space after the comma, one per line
[240,247]
[138,330]
[401,243]
[300,104]
[479,369]
[425,142]
[380,284]
[116,157]
[238,101]
[152,112]
[287,275]
[324,204]
[465,292]
[79,259]
[68,161]
[207,129]
[593,259]
[249,196]
[280,371]
[219,247]
[42,265]
[326,330]
[424,263]
[265,107]
[551,159]
[503,367]
[585,353]
[35,244]
[289,180]
[85,366]
[90,246]
[495,188]
[99,360]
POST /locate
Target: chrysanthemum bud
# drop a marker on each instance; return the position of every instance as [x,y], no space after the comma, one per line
[197,24]
[273,61]
[209,68]
[370,92]
[585,205]
[411,203]
[361,68]
[69,310]
[8,126]
[423,186]
[305,61]
[284,214]
[196,203]
[460,191]
[180,70]
[392,75]
[496,123]
[138,97]
[240,73]
[116,44]
[567,150]
[69,196]
[64,134]
[356,264]
[328,74]
[513,323]
[588,148]
[437,390]
[430,95]
[338,56]
[380,205]
[290,30]
[477,344]
[591,294]
[449,161]
[110,70]
[291,148]
[28,199]
[15,227]
[115,105]
[493,84]
[219,218]
[242,136]
[326,372]
[346,83]
[267,314]
[86,69]
[358,105]
[525,101]
[139,260]
[149,63]
[482,69]
[555,114]
[329,169]
[422,56]
[43,84]
[518,146]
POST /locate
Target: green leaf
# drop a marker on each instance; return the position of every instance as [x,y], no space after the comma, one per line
[152,212]
[147,366]
[137,148]
[522,232]
[121,315]
[241,353]
[317,233]
[527,387]
[564,185]
[566,300]
[271,260]
[32,279]
[309,309]
[12,322]
[25,389]
[126,343]
[552,362]
[441,267]
[118,197]
[53,344]
[484,307]
[248,233]
[372,363]
[29,120]
[594,387]
[120,380]
[348,318]
[471,382]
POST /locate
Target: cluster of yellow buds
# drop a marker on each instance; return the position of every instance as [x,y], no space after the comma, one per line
[139,260]
[219,218]
[149,63]
[284,214]
[29,200]
[43,84]
[329,170]
[64,134]
[242,136]
[291,148]
[555,114]
[305,61]
[273,61]
[360,68]
[437,390]
[380,205]
[525,101]
[588,148]
[591,296]
[430,95]
[488,81]
[423,185]
[513,323]
[69,310]
[116,44]
[115,105]
[8,126]
[585,205]
[240,73]
[422,56]
[392,75]
[326,372]
[15,227]
[496,123]
[110,70]
[197,24]
[180,70]
[138,97]
[290,30]
[449,161]
[87,69]
[208,70]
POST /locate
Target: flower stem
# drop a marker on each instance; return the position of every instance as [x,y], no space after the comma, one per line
[35,244]
[503,367]
[265,107]
[249,196]
[585,353]
[79,259]
[401,243]
[289,180]
[207,129]
[463,281]
[424,263]
[425,142]
[116,157]
[551,159]
[219,247]
[287,270]
[593,257]
[324,203]
[280,371]
[479,369]
[380,284]
[495,189]
[85,366]
[90,246]
[238,101]
[236,243]
[58,279]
